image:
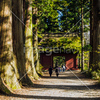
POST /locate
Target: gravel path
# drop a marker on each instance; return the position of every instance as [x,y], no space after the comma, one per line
[66,87]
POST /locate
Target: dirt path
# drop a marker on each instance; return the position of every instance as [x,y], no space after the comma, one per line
[66,87]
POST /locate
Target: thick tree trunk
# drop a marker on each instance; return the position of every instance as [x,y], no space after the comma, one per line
[35,41]
[36,59]
[18,40]
[96,34]
[29,41]
[7,59]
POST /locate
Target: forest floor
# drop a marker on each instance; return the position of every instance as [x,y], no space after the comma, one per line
[70,85]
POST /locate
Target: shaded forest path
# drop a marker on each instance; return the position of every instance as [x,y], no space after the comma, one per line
[66,87]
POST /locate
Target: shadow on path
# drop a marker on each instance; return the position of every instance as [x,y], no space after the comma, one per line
[51,97]
[67,87]
[66,77]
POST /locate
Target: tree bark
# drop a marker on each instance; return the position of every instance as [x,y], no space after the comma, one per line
[18,41]
[29,41]
[91,35]
[82,38]
[35,41]
[96,35]
[8,68]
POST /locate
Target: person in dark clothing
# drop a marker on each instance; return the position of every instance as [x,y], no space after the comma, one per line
[57,71]
[50,71]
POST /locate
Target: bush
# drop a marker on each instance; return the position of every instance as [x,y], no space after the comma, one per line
[96,74]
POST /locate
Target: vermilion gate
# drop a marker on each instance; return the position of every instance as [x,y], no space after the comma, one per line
[70,60]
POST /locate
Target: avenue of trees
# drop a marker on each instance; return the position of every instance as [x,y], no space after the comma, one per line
[23,21]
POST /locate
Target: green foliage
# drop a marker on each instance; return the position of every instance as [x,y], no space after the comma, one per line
[70,19]
[87,48]
[61,14]
[66,43]
[59,61]
[47,14]
[88,72]
[96,74]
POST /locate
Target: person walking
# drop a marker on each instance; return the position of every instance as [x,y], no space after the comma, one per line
[63,68]
[57,71]
[50,71]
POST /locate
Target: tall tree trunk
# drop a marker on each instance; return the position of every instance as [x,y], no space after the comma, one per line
[35,41]
[82,38]
[96,34]
[79,60]
[37,63]
[18,40]
[29,41]
[91,35]
[7,59]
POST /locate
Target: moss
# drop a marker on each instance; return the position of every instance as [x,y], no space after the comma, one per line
[36,77]
[4,87]
[14,86]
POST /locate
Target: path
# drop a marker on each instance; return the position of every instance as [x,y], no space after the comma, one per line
[65,87]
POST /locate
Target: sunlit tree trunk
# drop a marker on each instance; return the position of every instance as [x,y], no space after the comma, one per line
[29,41]
[35,40]
[96,34]
[7,59]
[18,40]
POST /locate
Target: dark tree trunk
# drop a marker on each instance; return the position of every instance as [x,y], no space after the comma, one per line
[91,35]
[82,37]
[18,42]
[96,34]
